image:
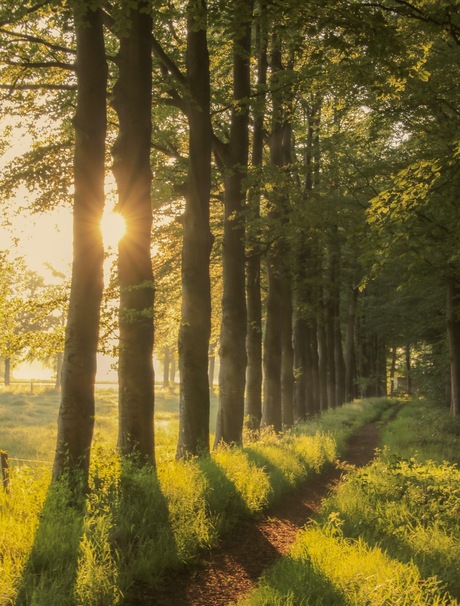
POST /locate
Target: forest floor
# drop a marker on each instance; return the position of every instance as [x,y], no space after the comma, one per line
[232,570]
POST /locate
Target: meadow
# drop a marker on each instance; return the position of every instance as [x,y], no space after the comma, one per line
[135,527]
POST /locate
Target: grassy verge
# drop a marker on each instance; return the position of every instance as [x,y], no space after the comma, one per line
[391,532]
[135,525]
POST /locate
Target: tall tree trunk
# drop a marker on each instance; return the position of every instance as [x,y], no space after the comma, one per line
[253,402]
[233,357]
[453,329]
[300,365]
[349,344]
[77,409]
[314,364]
[271,412]
[322,364]
[287,358]
[132,100]
[195,326]
[394,351]
[330,351]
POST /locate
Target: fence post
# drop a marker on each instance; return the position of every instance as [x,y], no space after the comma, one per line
[5,470]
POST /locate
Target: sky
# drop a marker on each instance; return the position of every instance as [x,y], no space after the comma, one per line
[46,238]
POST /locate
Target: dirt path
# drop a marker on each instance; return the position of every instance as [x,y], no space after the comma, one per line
[233,569]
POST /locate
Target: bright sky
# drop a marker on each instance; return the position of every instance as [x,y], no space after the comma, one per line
[46,238]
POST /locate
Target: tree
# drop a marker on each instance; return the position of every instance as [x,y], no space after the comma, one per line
[76,412]
[234,159]
[197,243]
[132,99]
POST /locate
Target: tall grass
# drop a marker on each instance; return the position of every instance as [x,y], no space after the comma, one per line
[136,525]
[391,532]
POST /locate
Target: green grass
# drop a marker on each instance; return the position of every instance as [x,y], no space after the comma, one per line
[135,526]
[390,534]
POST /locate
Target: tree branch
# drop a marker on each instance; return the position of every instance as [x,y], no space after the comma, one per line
[44,86]
[41,64]
[27,38]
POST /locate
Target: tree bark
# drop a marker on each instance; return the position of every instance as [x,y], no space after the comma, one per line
[394,350]
[253,402]
[233,357]
[77,408]
[408,369]
[287,358]
[59,363]
[211,366]
[349,344]
[7,372]
[166,367]
[300,365]
[132,96]
[322,364]
[453,329]
[195,326]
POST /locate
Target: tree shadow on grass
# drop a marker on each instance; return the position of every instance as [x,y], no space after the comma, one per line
[50,572]
[142,534]
[280,484]
[298,582]
[237,563]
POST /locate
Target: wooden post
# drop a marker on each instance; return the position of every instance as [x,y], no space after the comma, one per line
[5,470]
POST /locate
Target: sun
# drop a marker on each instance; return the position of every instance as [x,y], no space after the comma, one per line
[113,227]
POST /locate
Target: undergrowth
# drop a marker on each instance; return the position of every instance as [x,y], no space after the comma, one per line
[136,525]
[390,534]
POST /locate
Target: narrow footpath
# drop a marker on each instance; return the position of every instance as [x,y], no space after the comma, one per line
[235,566]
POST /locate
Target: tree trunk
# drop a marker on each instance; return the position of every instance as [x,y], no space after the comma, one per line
[77,409]
[195,326]
[394,351]
[330,352]
[271,412]
[59,363]
[166,367]
[453,329]
[172,373]
[314,361]
[233,357]
[408,369]
[349,344]
[287,358]
[300,366]
[7,372]
[322,365]
[132,96]
[253,402]
[211,366]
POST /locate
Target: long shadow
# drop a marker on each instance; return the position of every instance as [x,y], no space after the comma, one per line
[245,550]
[278,480]
[302,580]
[50,572]
[142,535]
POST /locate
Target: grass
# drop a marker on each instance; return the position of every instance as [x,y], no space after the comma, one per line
[135,526]
[390,534]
